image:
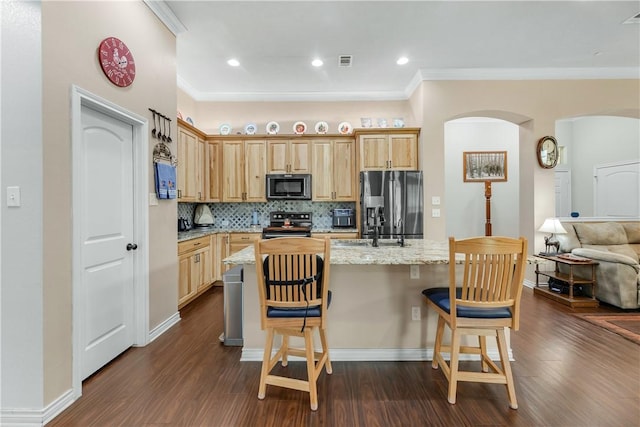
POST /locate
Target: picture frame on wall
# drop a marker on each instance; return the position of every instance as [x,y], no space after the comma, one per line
[481,166]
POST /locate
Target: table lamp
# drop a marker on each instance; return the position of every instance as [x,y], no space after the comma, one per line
[553,226]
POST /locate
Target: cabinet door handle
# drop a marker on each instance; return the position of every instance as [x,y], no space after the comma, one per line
[179,194]
[197,257]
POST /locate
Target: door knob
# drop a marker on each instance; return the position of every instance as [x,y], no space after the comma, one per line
[131,246]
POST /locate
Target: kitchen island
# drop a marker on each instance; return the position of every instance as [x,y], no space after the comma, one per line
[375,292]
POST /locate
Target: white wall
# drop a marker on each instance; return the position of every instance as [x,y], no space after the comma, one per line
[21,352]
[466,203]
[591,141]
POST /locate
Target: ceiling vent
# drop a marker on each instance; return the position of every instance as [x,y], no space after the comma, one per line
[635,19]
[345,60]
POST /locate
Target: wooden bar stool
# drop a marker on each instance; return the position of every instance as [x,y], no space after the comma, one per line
[486,303]
[293,286]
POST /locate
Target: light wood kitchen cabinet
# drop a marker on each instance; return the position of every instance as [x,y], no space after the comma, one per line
[190,156]
[243,171]
[230,243]
[239,241]
[393,150]
[288,156]
[194,266]
[213,171]
[334,170]
[222,250]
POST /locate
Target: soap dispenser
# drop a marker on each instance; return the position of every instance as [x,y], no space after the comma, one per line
[254,218]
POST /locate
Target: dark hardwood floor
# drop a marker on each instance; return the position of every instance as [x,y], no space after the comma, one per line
[568,372]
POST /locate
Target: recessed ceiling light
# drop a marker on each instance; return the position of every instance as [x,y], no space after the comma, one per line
[233,62]
[317,62]
[402,60]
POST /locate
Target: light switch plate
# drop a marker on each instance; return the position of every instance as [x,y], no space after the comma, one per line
[435,213]
[153,199]
[435,200]
[13,196]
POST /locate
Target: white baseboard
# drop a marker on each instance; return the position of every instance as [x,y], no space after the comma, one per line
[529,283]
[373,355]
[164,326]
[39,417]
[36,417]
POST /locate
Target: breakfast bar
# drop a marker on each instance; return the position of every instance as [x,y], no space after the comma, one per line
[377,310]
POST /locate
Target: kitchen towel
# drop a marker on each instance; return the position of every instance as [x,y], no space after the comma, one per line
[165,181]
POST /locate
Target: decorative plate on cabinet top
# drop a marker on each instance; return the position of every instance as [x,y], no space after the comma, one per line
[225,129]
[179,115]
[250,129]
[322,127]
[190,121]
[299,128]
[345,128]
[273,128]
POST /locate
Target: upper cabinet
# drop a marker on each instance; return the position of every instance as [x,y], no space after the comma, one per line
[243,171]
[394,149]
[213,171]
[334,170]
[191,155]
[288,156]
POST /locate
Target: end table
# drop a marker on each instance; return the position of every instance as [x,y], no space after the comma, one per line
[570,279]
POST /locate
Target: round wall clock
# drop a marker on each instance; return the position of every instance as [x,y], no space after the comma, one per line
[117,61]
[547,152]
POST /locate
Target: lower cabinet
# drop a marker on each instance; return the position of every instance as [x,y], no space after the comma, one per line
[239,241]
[228,244]
[222,249]
[195,269]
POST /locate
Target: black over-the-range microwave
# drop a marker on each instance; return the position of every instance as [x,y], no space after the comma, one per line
[289,186]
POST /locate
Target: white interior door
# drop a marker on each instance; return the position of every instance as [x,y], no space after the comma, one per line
[617,189]
[106,228]
[563,193]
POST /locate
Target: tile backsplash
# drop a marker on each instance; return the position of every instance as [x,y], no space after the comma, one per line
[239,214]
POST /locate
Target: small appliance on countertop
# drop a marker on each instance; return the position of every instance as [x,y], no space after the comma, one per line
[203,216]
[343,218]
[183,224]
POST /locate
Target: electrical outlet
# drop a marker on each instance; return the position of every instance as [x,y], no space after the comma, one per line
[435,213]
[435,200]
[415,313]
[415,271]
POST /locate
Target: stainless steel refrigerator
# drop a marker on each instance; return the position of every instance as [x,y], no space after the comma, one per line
[393,202]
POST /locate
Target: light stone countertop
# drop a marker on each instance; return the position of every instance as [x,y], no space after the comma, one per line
[415,251]
[196,232]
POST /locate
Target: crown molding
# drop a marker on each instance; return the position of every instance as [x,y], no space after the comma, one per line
[166,16]
[575,73]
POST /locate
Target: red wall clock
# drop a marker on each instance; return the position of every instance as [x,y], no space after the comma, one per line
[116,61]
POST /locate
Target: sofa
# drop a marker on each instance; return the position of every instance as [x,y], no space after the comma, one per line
[616,247]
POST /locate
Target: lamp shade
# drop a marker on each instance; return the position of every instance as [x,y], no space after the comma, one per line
[552,225]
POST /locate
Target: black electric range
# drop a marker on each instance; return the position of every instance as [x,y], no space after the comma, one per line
[283,224]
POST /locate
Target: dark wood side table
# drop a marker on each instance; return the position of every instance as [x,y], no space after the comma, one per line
[570,279]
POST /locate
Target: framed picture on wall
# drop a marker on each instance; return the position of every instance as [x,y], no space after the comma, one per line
[480,166]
